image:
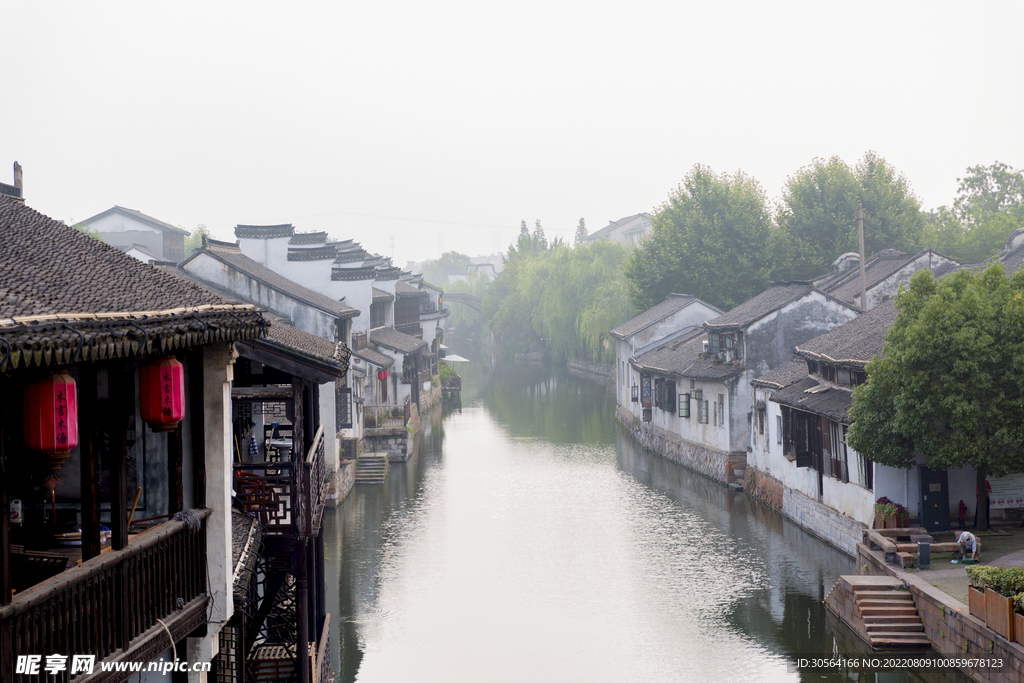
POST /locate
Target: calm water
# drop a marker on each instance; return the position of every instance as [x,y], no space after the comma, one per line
[527,542]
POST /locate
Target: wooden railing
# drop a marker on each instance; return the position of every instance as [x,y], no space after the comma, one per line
[316,478]
[99,606]
[321,671]
[273,492]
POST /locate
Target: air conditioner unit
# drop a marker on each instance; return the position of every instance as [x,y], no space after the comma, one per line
[705,346]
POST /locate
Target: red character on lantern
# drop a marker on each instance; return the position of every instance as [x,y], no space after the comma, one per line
[51,417]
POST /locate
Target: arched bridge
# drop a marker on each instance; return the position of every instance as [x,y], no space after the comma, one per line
[471,300]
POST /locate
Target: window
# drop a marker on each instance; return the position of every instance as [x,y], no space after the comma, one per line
[669,403]
[716,342]
[837,438]
[721,410]
[778,429]
[702,411]
[684,406]
[760,421]
[635,393]
[659,390]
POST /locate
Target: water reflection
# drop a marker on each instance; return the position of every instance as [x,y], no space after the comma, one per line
[528,541]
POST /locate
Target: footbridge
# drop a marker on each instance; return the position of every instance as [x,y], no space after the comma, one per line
[471,300]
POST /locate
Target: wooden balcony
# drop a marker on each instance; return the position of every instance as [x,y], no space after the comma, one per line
[286,497]
[112,605]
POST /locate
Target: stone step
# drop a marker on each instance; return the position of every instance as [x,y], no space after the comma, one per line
[889,618]
[887,611]
[889,590]
[904,627]
[900,640]
[885,598]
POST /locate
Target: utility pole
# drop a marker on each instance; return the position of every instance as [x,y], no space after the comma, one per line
[863,280]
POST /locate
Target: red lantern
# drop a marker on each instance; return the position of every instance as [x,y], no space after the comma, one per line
[162,394]
[51,417]
[382,375]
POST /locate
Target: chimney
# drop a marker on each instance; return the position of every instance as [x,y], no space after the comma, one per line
[15,191]
[18,182]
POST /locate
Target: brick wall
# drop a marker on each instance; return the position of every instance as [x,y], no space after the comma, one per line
[395,442]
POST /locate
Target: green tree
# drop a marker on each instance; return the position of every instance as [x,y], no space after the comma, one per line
[818,213]
[713,238]
[988,208]
[581,232]
[87,229]
[538,234]
[450,263]
[194,241]
[950,386]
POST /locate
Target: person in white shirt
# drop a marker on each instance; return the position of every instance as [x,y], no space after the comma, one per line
[968,544]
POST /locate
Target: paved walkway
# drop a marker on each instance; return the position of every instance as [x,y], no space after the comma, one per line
[953,580]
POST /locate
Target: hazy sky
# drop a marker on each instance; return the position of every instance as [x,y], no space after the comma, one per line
[444,123]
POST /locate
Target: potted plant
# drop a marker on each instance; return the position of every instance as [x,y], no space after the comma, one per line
[890,515]
[1018,618]
[1001,585]
[977,578]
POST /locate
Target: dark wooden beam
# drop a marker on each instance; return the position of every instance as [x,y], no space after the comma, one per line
[197,415]
[122,402]
[6,578]
[298,422]
[89,454]
[262,393]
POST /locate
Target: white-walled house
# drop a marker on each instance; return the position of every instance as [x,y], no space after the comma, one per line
[126,229]
[678,315]
[627,230]
[694,403]
[883,274]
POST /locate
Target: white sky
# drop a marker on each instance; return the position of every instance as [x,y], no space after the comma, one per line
[445,123]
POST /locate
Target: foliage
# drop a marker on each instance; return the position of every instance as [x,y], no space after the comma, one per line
[1007,581]
[708,239]
[988,208]
[950,385]
[889,508]
[581,232]
[194,241]
[87,229]
[818,213]
[538,234]
[450,263]
[562,300]
[445,372]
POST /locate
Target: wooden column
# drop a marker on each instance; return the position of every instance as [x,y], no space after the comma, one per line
[298,421]
[122,407]
[197,416]
[175,463]
[302,607]
[6,579]
[321,580]
[90,473]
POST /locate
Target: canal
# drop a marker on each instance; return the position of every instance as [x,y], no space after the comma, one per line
[528,541]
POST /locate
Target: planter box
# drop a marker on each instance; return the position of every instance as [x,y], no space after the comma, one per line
[999,613]
[976,602]
[1018,627]
[879,520]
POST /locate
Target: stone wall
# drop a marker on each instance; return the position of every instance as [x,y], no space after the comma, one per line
[829,525]
[429,399]
[952,630]
[342,481]
[397,443]
[599,372]
[718,465]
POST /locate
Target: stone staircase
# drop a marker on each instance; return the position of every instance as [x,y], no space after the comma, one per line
[890,617]
[371,468]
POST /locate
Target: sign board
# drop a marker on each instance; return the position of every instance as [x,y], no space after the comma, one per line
[1007,492]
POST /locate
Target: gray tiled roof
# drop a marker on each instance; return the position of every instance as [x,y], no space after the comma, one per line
[231,255]
[73,296]
[681,357]
[854,343]
[374,357]
[772,299]
[652,315]
[335,354]
[831,402]
[391,338]
[782,376]
[404,289]
[379,295]
[606,230]
[309,238]
[265,231]
[155,222]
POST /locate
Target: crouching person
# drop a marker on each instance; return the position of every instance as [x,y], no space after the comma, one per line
[968,545]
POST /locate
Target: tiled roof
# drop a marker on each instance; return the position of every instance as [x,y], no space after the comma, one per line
[231,255]
[606,230]
[391,338]
[360,273]
[264,231]
[309,238]
[652,315]
[404,289]
[374,357]
[312,254]
[854,343]
[772,299]
[335,354]
[380,295]
[812,396]
[682,357]
[138,215]
[782,376]
[65,296]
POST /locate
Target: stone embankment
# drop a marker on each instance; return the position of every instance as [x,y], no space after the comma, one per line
[598,372]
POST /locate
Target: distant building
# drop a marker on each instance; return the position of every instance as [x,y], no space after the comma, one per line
[626,230]
[128,229]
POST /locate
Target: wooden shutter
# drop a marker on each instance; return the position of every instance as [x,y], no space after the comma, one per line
[344,407]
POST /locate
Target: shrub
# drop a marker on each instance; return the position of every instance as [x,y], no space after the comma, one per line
[1007,581]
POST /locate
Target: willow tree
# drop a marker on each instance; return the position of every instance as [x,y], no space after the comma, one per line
[949,386]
